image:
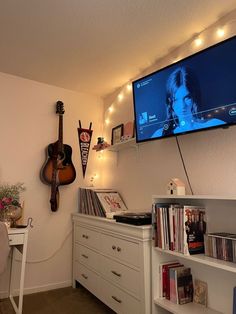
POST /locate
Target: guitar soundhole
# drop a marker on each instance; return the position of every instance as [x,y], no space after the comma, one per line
[61,155]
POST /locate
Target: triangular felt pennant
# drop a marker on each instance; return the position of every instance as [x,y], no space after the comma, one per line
[85,136]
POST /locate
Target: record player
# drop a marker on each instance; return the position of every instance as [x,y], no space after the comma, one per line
[137,219]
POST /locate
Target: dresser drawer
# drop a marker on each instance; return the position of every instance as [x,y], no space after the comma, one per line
[118,300]
[15,239]
[87,237]
[126,277]
[87,257]
[124,250]
[87,278]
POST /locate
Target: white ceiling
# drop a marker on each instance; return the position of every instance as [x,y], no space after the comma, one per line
[96,46]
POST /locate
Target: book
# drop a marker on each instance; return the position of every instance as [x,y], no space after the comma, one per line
[200,292]
[194,227]
[162,273]
[168,279]
[172,278]
[184,286]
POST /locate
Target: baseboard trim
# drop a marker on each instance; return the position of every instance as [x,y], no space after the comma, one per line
[48,287]
[30,290]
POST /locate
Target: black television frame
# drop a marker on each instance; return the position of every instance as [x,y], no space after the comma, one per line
[224,126]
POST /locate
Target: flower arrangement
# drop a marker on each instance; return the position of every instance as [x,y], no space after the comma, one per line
[10,195]
[10,206]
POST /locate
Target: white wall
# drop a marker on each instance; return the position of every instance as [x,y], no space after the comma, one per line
[28,123]
[209,156]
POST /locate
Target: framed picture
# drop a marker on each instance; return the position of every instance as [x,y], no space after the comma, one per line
[200,292]
[116,134]
[111,202]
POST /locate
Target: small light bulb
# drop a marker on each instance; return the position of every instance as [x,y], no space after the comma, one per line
[129,87]
[220,32]
[198,42]
[111,109]
[176,60]
[107,121]
[120,97]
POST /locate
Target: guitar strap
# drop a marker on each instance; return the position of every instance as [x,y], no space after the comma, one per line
[85,136]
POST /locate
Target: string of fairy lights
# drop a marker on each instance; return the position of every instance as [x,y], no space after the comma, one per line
[197,42]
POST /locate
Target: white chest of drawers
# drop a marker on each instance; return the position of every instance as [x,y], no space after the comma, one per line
[112,260]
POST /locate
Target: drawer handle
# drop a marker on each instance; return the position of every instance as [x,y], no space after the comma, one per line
[85,256]
[118,249]
[85,236]
[85,277]
[10,240]
[113,247]
[116,299]
[115,273]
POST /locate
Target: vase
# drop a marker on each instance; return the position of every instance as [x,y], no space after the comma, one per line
[10,215]
[5,218]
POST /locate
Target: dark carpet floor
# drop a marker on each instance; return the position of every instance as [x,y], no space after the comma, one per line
[60,301]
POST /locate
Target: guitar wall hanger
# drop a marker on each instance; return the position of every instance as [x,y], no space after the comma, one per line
[58,168]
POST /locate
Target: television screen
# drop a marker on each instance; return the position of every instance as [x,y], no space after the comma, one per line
[196,93]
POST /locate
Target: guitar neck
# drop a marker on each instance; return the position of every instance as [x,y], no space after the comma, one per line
[60,134]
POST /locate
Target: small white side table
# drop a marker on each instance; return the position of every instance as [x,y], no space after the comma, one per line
[18,238]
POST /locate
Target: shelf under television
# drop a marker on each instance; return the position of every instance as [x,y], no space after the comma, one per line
[203,259]
[123,145]
[184,308]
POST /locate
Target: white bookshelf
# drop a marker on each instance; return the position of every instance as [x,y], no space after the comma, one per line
[201,258]
[185,308]
[219,275]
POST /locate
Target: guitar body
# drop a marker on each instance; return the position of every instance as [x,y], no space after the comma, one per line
[66,173]
[58,168]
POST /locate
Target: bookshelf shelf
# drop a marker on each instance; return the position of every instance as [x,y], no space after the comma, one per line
[201,258]
[184,308]
[123,145]
[219,275]
[203,198]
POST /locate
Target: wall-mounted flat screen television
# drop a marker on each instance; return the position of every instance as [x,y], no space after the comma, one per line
[195,93]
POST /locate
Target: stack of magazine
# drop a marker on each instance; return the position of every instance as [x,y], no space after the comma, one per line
[100,202]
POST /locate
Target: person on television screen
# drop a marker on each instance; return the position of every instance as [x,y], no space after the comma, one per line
[183,99]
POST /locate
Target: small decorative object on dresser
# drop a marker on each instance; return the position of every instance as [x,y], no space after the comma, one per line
[116,134]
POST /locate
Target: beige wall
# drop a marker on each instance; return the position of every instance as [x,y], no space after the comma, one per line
[28,123]
[209,156]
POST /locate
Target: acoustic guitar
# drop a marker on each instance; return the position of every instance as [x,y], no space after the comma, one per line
[58,168]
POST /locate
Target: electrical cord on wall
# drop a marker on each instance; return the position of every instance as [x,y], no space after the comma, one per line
[182,159]
[50,256]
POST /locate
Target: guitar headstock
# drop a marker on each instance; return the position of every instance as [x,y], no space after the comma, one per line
[60,107]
